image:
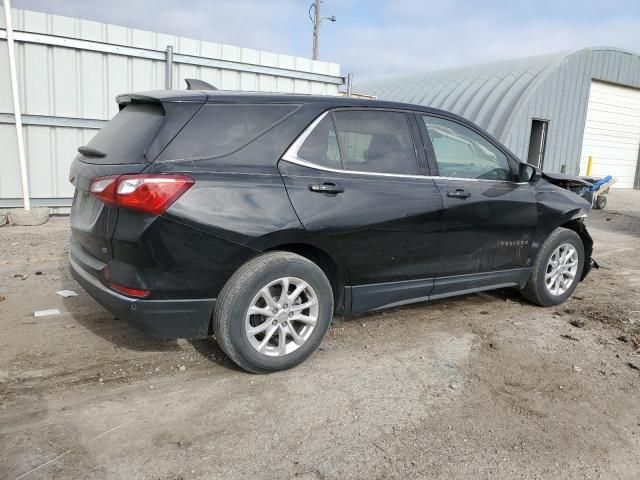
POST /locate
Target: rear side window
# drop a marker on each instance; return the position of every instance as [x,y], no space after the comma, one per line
[321,146]
[462,153]
[376,141]
[125,137]
[218,130]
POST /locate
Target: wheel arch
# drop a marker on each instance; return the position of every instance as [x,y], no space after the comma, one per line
[332,268]
[578,226]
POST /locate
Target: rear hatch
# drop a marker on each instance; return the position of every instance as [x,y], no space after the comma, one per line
[144,125]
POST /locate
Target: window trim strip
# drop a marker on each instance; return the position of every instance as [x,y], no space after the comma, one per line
[291,156]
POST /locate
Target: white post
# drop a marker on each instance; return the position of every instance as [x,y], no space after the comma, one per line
[17,114]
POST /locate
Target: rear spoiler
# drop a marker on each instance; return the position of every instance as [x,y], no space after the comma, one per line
[162,96]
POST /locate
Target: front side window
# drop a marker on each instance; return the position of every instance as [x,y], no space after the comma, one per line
[376,141]
[462,153]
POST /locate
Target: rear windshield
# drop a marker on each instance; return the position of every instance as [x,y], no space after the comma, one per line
[125,137]
[218,130]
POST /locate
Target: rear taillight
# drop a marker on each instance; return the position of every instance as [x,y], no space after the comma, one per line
[146,193]
[132,292]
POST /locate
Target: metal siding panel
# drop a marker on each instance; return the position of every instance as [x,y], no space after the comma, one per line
[34,21]
[35,80]
[117,34]
[186,46]
[66,144]
[142,75]
[284,84]
[209,75]
[41,173]
[229,80]
[301,86]
[266,83]
[211,50]
[67,82]
[6,102]
[117,81]
[269,59]
[10,172]
[286,61]
[63,26]
[229,52]
[90,30]
[185,71]
[92,86]
[141,38]
[248,81]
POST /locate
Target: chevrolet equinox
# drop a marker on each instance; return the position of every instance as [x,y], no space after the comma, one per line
[255,218]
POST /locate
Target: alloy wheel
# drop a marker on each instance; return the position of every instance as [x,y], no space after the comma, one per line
[561,269]
[281,316]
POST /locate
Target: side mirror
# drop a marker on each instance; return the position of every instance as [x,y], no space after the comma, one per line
[527,173]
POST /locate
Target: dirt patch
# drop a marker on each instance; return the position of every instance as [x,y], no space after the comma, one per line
[480,386]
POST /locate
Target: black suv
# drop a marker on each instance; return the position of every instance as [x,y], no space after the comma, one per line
[256,217]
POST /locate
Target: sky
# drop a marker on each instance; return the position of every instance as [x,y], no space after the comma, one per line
[379,38]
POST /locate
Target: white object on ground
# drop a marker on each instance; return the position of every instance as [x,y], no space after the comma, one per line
[46,313]
[67,293]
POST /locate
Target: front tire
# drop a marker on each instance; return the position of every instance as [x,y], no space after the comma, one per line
[557,269]
[273,312]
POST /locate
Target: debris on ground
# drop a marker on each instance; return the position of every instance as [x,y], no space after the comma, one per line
[2,297]
[633,366]
[46,313]
[182,368]
[38,272]
[624,338]
[578,323]
[570,337]
[67,293]
[577,368]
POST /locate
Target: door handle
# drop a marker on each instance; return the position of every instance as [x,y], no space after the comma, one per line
[326,188]
[458,193]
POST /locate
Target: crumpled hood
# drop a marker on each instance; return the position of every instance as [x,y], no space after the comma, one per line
[565,180]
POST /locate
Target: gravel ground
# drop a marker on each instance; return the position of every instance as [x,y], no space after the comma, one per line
[480,386]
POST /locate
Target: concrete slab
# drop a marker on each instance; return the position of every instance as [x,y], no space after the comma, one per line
[35,216]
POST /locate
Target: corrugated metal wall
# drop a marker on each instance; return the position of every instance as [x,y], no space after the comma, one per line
[70,71]
[561,97]
[504,97]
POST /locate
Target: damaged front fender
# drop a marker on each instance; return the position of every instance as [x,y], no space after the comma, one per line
[558,206]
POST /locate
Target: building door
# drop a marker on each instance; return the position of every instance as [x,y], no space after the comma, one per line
[612,133]
[537,142]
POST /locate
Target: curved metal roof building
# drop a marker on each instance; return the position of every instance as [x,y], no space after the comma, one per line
[504,97]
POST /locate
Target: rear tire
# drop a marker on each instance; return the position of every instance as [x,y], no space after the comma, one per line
[261,328]
[557,269]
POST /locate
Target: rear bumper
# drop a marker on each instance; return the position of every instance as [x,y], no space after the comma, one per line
[158,318]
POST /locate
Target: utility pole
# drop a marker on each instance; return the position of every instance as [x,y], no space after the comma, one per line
[317,20]
[316,28]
